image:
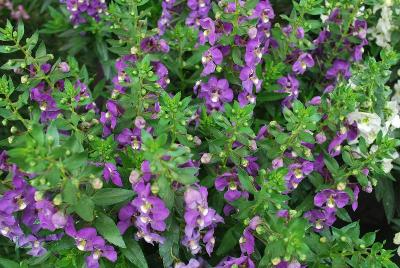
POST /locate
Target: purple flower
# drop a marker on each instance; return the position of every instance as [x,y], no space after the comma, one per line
[109,118]
[320,218]
[332,198]
[110,172]
[100,249]
[211,58]
[230,181]
[209,32]
[130,137]
[35,245]
[147,212]
[47,104]
[358,53]
[165,18]
[199,9]
[341,67]
[245,98]
[300,33]
[360,29]
[297,173]
[289,84]
[80,8]
[249,79]
[216,93]
[162,73]
[154,44]
[254,53]
[200,220]
[335,147]
[3,160]
[304,60]
[45,211]
[193,263]
[243,261]
[263,11]
[335,16]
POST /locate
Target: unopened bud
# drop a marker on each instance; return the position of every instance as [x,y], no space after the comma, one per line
[206,158]
[134,176]
[97,183]
[57,200]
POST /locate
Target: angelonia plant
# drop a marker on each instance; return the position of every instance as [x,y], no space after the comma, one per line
[198,133]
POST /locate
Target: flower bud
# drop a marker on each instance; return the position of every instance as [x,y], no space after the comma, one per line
[275,261]
[341,186]
[206,158]
[24,79]
[197,140]
[155,189]
[134,176]
[64,67]
[97,183]
[57,200]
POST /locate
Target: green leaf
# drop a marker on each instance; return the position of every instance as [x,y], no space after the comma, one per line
[8,263]
[20,30]
[369,238]
[133,252]
[343,215]
[230,240]
[237,56]
[170,245]
[84,208]
[111,196]
[75,161]
[69,193]
[187,175]
[246,181]
[165,191]
[107,228]
[52,134]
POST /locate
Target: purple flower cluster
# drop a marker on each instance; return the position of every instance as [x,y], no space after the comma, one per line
[146,212]
[36,213]
[109,119]
[216,92]
[229,181]
[297,172]
[198,10]
[200,220]
[79,9]
[166,16]
[328,201]
[247,244]
[86,239]
[16,13]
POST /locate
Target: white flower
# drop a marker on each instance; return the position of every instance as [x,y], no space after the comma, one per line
[396,95]
[396,239]
[392,115]
[387,165]
[383,30]
[368,124]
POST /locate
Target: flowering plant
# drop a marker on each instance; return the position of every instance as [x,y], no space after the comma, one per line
[198,133]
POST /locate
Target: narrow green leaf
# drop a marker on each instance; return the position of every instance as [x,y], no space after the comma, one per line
[111,196]
[133,252]
[107,228]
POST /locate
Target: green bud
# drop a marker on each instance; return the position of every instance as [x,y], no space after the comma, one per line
[10,139]
[155,189]
[13,130]
[323,239]
[57,200]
